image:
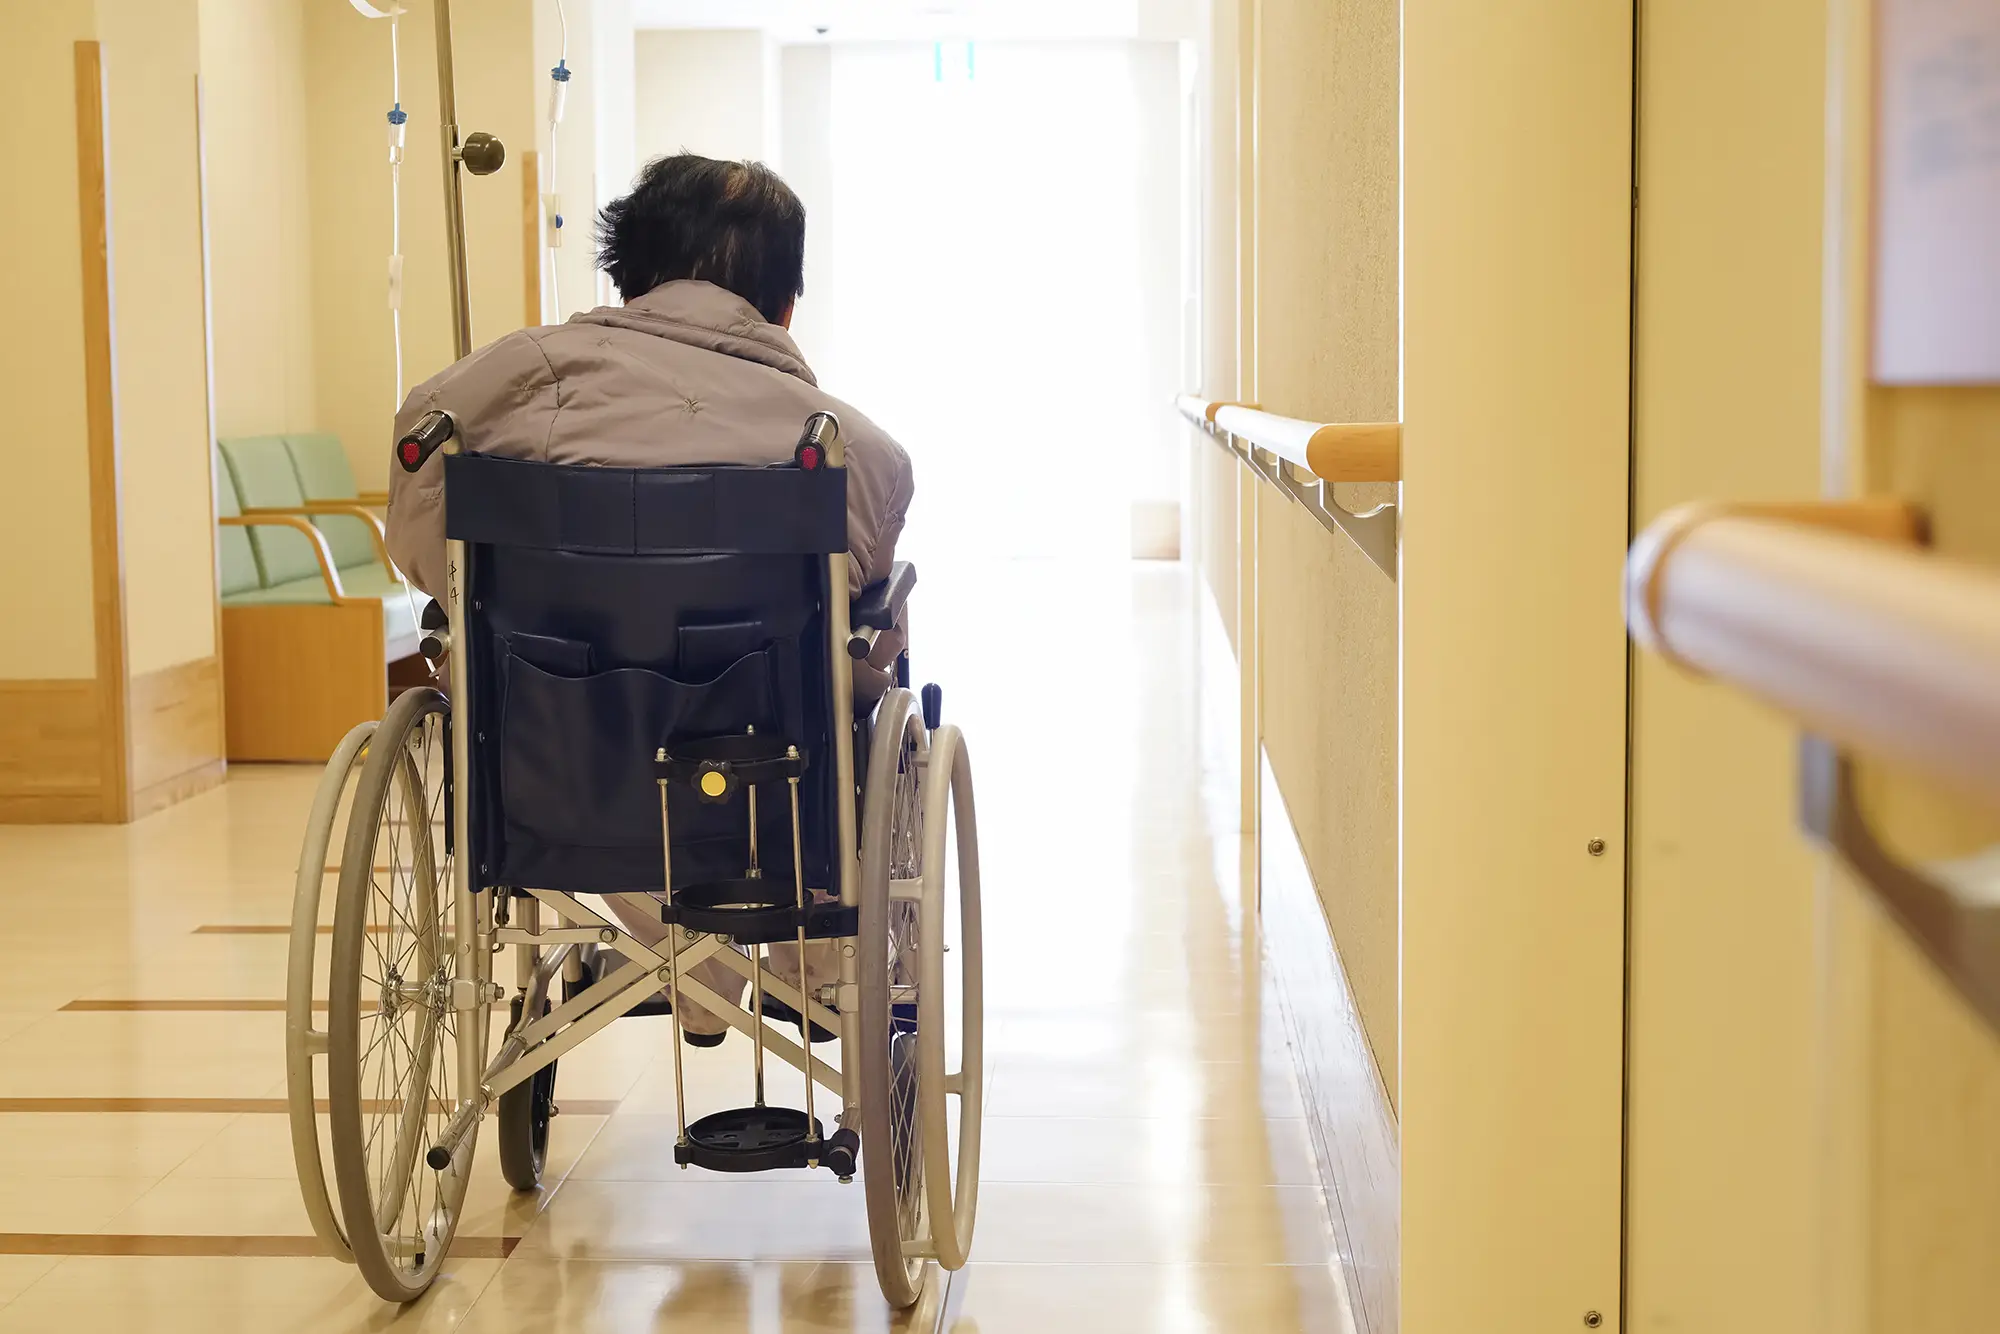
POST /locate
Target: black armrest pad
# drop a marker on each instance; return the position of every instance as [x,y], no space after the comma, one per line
[882,601]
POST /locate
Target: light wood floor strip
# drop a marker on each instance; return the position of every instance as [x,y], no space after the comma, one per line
[179,1006]
[273,929]
[96,1243]
[229,1106]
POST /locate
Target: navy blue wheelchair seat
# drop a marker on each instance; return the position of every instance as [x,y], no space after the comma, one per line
[613,612]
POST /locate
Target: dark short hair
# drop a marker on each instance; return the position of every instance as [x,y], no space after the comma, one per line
[734,224]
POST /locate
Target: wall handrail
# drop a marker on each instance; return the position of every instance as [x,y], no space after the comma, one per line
[1834,616]
[1872,643]
[1301,458]
[1330,451]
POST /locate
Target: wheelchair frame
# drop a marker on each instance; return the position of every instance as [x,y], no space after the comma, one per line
[484,922]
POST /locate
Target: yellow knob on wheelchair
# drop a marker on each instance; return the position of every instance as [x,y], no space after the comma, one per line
[715,781]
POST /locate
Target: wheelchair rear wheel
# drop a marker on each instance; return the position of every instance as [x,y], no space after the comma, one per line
[392,1032]
[917,1016]
[304,1044]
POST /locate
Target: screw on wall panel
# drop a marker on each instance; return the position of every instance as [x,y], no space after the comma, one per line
[1595,847]
[1592,1319]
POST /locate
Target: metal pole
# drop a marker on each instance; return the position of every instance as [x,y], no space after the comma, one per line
[454,201]
[805,991]
[675,935]
[475,962]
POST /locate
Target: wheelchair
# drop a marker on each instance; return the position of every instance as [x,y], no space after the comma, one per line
[650,695]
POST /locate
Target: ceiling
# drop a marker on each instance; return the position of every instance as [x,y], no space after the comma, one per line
[927,20]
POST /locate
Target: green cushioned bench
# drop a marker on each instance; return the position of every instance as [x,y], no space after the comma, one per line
[313,610]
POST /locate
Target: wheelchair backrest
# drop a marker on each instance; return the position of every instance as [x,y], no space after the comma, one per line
[615,611]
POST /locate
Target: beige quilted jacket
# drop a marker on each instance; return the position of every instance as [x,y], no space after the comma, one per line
[687,374]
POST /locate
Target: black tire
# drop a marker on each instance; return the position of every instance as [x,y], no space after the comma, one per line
[522,1119]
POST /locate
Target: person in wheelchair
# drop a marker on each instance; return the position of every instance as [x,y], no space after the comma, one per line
[697,367]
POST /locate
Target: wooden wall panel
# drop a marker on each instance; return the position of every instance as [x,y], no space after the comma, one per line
[49,752]
[176,718]
[1719,1192]
[1932,1091]
[107,559]
[1909,1214]
[1517,218]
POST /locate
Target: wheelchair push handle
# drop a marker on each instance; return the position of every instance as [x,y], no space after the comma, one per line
[820,444]
[424,439]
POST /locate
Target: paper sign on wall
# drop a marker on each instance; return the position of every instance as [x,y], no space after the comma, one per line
[1937,193]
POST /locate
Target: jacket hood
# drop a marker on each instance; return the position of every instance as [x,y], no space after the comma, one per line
[700,314]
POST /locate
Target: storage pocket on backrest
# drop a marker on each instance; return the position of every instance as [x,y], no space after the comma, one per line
[576,753]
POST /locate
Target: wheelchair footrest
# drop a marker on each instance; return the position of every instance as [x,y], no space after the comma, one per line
[756,912]
[752,1139]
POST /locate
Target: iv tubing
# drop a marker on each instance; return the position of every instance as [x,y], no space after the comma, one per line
[552,220]
[397,120]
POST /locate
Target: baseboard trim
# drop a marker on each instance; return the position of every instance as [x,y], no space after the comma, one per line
[1348,1113]
[51,807]
[50,753]
[176,718]
[1349,1118]
[172,791]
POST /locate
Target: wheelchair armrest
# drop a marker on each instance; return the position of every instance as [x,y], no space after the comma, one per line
[881,602]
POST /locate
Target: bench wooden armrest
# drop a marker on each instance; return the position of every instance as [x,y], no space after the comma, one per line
[348,509]
[327,569]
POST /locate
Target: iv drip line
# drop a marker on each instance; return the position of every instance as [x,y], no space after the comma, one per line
[552,216]
[398,119]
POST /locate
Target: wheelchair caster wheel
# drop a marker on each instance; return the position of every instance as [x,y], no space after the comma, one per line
[838,1157]
[523,1119]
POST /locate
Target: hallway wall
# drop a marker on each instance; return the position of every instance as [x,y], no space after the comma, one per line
[160,345]
[50,536]
[499,90]
[715,93]
[1517,198]
[260,218]
[1327,350]
[1730,173]
[1912,1216]
[108,681]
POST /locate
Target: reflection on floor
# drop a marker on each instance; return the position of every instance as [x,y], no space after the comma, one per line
[1145,1167]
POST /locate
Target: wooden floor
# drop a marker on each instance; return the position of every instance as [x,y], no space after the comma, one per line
[1146,1167]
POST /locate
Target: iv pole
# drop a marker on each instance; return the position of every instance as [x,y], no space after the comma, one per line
[482,155]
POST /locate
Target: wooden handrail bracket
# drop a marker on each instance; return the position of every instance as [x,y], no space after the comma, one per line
[1833,614]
